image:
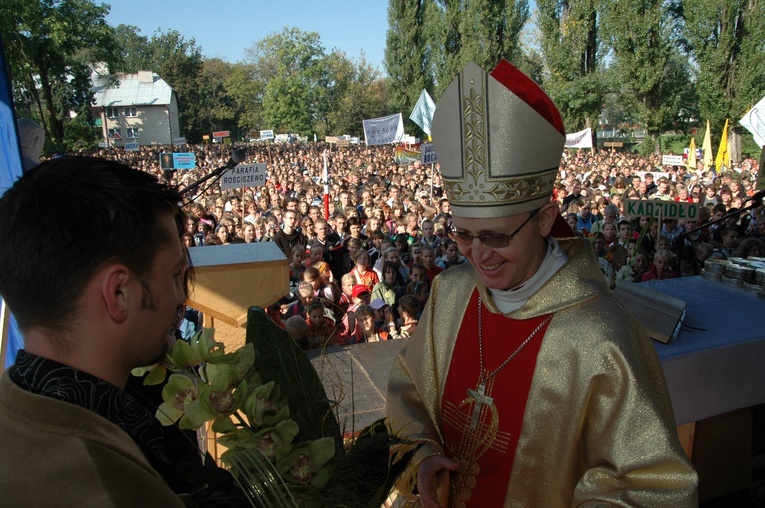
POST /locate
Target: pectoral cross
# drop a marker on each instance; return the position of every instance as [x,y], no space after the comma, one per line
[480,397]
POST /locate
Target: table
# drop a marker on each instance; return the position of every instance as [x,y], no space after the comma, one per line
[720,366]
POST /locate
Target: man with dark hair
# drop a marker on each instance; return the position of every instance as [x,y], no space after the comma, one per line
[95,296]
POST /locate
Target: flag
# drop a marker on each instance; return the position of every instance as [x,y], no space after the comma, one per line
[581,139]
[407,155]
[754,122]
[422,114]
[384,130]
[691,162]
[706,147]
[723,155]
[10,171]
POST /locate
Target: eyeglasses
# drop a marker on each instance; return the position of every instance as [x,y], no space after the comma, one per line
[491,240]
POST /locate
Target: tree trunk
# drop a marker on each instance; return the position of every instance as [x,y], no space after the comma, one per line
[734,146]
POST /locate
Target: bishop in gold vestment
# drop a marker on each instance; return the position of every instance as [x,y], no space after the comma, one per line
[527,381]
[598,428]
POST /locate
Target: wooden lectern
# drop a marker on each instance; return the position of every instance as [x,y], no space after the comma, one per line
[229,279]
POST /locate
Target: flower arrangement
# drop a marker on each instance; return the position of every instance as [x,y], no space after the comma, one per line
[266,402]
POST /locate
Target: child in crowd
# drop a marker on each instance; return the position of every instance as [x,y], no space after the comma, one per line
[452,256]
[429,238]
[274,311]
[316,260]
[639,266]
[428,260]
[321,290]
[408,308]
[297,328]
[321,330]
[305,295]
[387,288]
[363,272]
[625,234]
[420,290]
[350,327]
[661,268]
[368,330]
[379,306]
[297,267]
[416,252]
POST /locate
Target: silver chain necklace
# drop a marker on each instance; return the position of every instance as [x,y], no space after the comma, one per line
[479,394]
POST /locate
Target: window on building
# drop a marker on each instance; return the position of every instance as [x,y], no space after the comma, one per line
[133,133]
[112,112]
[115,134]
[130,112]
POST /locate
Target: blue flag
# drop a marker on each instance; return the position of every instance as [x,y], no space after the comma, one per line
[10,171]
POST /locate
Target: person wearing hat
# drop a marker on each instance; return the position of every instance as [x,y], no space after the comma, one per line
[516,400]
[351,330]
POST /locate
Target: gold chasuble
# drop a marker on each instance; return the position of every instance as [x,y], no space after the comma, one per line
[582,413]
[486,449]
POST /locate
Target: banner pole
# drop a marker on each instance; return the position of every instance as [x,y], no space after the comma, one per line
[326,187]
[432,176]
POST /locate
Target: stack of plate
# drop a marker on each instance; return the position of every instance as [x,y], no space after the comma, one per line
[713,269]
[739,272]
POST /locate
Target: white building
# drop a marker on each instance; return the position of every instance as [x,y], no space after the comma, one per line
[139,108]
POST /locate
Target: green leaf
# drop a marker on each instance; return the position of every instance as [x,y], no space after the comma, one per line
[157,375]
[278,358]
[224,425]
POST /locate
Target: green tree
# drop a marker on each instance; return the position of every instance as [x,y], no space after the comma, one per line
[482,31]
[646,61]
[572,48]
[246,93]
[362,96]
[292,65]
[134,50]
[176,60]
[407,60]
[725,40]
[51,46]
[217,109]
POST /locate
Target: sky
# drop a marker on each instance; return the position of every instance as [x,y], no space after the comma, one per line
[224,29]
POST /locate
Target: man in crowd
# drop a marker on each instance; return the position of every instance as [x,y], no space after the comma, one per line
[506,386]
[95,296]
[288,236]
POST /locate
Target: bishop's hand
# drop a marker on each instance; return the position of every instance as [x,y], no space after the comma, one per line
[427,474]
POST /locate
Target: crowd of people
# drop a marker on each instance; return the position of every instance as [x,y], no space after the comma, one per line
[367,265]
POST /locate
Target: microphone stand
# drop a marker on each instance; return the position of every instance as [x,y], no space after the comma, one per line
[756,202]
[237,156]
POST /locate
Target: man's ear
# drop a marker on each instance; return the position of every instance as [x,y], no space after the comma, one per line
[116,291]
[547,215]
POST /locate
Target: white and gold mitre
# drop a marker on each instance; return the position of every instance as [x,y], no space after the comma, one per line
[499,140]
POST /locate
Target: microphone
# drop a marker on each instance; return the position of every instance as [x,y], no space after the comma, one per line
[237,156]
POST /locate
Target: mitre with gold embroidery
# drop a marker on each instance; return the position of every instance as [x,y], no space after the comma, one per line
[499,140]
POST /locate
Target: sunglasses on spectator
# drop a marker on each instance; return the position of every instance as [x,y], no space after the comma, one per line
[491,240]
